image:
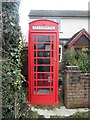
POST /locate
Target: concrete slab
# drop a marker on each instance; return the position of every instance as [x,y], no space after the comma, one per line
[62,111]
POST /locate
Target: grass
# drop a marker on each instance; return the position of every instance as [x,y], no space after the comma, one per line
[34,115]
[77,115]
[82,115]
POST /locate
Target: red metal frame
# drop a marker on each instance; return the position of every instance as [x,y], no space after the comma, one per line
[43,70]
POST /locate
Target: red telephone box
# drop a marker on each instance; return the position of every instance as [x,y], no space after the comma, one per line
[43,52]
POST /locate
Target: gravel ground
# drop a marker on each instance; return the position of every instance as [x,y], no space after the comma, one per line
[62,111]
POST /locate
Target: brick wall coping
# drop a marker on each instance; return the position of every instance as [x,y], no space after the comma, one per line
[72,66]
[85,74]
[72,69]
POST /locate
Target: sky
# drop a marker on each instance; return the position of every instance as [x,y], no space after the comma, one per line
[27,5]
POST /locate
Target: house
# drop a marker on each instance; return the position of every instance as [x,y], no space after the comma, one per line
[78,41]
[70,21]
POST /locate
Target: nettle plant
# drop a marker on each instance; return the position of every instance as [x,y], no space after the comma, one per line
[78,58]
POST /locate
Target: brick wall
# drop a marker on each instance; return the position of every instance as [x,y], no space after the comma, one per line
[76,88]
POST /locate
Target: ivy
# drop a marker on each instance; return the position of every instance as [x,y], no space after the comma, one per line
[13,96]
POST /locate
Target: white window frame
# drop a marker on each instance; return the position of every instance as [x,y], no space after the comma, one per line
[59,20]
[60,46]
[60,23]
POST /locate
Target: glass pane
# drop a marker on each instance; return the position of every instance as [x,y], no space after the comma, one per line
[34,90]
[34,38]
[43,83]
[43,46]
[34,61]
[52,46]
[59,50]
[59,57]
[43,75]
[43,68]
[35,54]
[34,46]
[52,76]
[43,38]
[34,68]
[47,47]
[51,68]
[43,54]
[52,38]
[34,75]
[43,91]
[43,61]
[52,53]
[34,83]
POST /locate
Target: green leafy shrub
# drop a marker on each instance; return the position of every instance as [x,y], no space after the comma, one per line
[80,59]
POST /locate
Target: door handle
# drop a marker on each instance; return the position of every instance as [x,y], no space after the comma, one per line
[55,60]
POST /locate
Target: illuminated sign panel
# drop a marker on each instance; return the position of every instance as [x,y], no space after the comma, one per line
[43,27]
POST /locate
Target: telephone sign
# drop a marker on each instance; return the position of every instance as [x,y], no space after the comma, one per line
[44,27]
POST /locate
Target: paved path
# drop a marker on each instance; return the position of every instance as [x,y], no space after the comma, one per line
[58,112]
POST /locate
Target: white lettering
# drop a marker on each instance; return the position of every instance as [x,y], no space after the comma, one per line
[43,27]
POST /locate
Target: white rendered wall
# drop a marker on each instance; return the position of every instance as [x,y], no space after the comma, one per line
[71,26]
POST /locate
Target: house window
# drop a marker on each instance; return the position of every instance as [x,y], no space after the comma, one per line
[58,20]
[60,53]
[59,26]
[78,49]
